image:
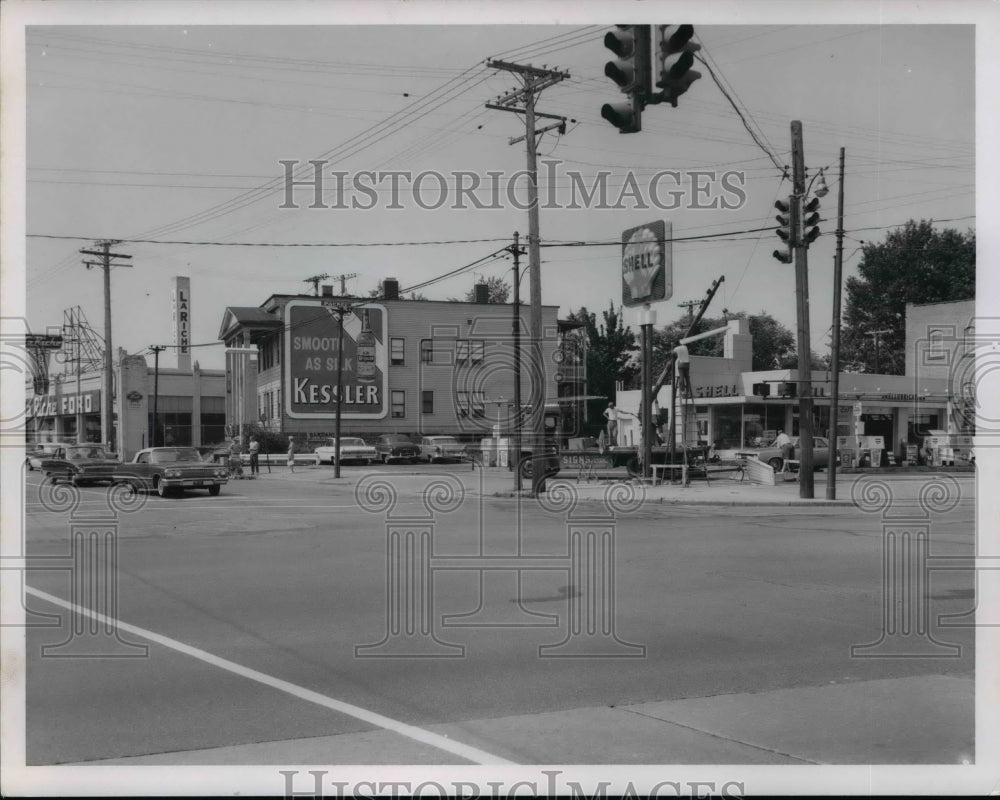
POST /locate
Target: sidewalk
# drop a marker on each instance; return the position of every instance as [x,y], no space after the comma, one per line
[725,489]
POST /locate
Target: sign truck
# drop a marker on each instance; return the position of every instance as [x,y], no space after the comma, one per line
[311,334]
[647,264]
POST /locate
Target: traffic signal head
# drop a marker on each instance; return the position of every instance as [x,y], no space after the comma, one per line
[630,70]
[675,54]
[786,228]
[787,389]
[810,219]
[762,389]
[626,116]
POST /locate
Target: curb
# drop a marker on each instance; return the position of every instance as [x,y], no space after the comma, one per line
[708,501]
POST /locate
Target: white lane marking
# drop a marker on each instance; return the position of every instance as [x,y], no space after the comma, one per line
[473,754]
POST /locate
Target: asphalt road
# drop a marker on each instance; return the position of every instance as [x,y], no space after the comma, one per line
[284,577]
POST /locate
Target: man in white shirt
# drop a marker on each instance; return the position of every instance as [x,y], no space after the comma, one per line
[784,443]
[611,415]
[683,370]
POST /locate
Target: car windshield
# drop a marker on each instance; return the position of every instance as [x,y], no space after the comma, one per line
[444,440]
[77,453]
[396,440]
[352,442]
[170,455]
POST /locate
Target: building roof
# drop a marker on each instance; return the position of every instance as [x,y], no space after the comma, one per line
[246,317]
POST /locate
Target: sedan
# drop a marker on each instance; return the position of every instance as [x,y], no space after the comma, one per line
[33,458]
[352,448]
[821,453]
[396,447]
[441,448]
[79,464]
[169,469]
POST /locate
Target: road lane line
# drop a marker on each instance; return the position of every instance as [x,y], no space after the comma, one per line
[473,754]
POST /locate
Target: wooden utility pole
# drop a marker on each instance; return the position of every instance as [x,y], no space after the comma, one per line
[804,382]
[157,349]
[517,251]
[107,409]
[838,265]
[690,305]
[522,101]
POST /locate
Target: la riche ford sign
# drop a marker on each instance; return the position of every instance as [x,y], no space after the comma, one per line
[311,334]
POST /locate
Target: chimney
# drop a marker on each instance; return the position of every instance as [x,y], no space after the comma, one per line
[390,289]
[482,293]
[327,290]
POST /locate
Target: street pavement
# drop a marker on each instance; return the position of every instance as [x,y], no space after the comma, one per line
[732,615]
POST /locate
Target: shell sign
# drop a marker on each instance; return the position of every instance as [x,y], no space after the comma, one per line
[647,264]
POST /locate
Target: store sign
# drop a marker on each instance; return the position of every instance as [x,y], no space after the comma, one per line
[311,346]
[180,304]
[647,264]
[723,390]
[63,405]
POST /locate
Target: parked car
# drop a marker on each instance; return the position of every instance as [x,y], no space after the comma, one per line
[441,448]
[821,453]
[396,447]
[168,469]
[33,458]
[78,464]
[352,448]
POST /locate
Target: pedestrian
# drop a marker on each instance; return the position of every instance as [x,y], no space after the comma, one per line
[611,415]
[254,456]
[291,454]
[784,443]
[235,462]
[683,370]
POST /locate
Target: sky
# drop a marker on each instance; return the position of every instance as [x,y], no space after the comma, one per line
[172,130]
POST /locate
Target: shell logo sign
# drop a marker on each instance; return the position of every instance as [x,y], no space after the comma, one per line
[647,264]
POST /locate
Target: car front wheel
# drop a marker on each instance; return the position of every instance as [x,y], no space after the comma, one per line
[775,464]
[214,490]
[160,487]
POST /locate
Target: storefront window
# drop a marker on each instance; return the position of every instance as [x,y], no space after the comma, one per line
[727,427]
[213,420]
[173,421]
[919,426]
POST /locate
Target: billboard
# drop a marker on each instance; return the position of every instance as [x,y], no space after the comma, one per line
[647,264]
[311,346]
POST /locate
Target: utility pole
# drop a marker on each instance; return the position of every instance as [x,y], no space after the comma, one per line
[690,306]
[875,335]
[534,80]
[156,389]
[517,251]
[804,383]
[338,310]
[342,279]
[107,409]
[838,265]
[314,280]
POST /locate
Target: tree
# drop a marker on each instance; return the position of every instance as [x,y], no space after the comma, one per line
[915,264]
[498,292]
[611,348]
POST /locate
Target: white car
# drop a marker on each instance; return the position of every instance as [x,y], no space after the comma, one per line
[441,448]
[352,448]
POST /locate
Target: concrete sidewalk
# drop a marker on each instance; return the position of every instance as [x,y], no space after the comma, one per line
[724,489]
[923,719]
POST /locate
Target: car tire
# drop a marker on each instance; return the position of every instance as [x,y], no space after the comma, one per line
[775,464]
[160,487]
[526,466]
[214,490]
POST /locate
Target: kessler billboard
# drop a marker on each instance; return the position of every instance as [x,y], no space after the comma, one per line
[311,367]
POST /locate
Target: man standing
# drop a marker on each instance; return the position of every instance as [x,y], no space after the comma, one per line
[683,370]
[611,415]
[254,456]
[291,454]
[784,443]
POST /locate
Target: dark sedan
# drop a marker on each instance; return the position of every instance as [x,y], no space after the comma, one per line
[396,447]
[165,470]
[79,464]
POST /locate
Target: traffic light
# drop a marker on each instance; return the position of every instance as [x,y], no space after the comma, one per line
[626,116]
[631,72]
[676,57]
[786,228]
[787,389]
[810,218]
[762,389]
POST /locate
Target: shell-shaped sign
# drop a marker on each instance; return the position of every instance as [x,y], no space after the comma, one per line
[647,271]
